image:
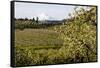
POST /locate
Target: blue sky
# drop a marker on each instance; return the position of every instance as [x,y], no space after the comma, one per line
[48,11]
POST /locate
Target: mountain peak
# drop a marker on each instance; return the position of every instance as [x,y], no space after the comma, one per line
[43,16]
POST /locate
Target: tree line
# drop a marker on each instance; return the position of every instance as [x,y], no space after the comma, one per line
[26,19]
[22,23]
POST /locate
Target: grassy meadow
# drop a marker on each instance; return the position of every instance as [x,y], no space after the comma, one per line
[37,42]
[38,38]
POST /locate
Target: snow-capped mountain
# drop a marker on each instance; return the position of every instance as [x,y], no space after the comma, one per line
[43,16]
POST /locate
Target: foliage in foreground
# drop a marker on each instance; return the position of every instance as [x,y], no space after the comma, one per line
[79,36]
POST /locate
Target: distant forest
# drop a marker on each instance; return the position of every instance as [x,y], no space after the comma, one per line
[22,23]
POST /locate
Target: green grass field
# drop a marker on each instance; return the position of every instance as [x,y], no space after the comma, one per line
[37,38]
[37,42]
